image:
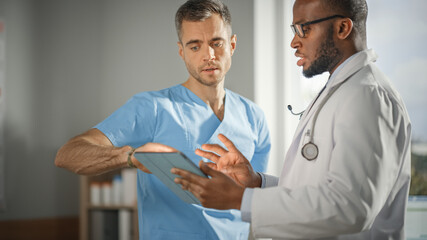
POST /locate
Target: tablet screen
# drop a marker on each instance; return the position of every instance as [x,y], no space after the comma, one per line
[161,163]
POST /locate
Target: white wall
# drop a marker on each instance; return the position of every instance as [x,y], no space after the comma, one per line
[70,63]
[2,108]
[276,75]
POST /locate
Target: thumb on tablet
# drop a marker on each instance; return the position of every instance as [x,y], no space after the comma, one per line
[155,147]
[150,147]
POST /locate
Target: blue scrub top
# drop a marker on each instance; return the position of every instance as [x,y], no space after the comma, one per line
[177,117]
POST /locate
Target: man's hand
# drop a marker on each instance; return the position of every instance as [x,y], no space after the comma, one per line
[150,147]
[231,162]
[219,191]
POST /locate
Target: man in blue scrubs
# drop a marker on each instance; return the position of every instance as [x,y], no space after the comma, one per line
[182,117]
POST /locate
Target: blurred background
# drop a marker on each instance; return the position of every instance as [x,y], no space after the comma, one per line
[65,65]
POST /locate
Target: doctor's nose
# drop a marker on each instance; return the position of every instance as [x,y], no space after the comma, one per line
[295,41]
[209,54]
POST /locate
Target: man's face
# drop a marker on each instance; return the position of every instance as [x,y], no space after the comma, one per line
[316,50]
[206,48]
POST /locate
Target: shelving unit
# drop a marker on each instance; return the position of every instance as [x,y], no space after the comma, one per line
[86,208]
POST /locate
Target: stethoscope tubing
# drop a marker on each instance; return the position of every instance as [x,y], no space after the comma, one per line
[311,143]
[316,114]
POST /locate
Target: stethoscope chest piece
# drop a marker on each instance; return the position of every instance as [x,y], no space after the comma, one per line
[310,151]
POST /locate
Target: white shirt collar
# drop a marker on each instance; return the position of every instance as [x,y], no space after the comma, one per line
[341,66]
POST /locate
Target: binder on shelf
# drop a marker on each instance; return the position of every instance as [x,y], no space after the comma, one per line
[125,224]
[104,225]
[129,186]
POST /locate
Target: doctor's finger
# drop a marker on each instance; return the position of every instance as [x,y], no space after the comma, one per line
[236,169]
[228,143]
[189,186]
[209,171]
[186,175]
[215,148]
[209,155]
[212,165]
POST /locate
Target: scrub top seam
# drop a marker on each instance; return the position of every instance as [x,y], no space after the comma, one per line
[172,94]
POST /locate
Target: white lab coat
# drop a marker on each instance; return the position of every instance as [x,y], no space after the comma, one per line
[357,188]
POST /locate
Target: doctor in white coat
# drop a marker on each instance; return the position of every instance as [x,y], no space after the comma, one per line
[346,174]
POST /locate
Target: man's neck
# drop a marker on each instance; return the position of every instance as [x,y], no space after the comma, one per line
[214,96]
[348,49]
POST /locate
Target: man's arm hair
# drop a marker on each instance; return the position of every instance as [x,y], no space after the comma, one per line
[91,153]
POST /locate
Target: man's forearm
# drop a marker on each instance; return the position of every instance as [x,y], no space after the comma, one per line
[83,157]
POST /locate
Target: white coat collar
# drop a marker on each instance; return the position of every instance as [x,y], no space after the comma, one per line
[344,71]
[351,65]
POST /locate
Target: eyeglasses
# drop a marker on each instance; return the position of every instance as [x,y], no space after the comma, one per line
[299,28]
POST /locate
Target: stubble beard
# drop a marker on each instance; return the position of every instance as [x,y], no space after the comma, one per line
[329,57]
[195,74]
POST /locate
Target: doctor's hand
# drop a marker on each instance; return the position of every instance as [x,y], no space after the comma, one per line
[231,162]
[219,191]
[150,147]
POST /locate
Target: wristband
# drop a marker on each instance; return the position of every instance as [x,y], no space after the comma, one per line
[130,153]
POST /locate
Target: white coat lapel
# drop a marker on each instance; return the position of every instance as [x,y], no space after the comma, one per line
[360,60]
[353,65]
[309,111]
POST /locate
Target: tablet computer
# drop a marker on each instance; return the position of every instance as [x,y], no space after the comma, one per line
[161,163]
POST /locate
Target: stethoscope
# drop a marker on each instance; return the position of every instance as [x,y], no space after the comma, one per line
[310,151]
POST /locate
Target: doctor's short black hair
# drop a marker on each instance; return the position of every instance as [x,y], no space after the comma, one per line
[356,10]
[199,10]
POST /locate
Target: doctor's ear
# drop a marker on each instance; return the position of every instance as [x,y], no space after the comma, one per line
[345,27]
[180,50]
[233,42]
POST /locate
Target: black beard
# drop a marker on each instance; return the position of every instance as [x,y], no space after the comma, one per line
[329,56]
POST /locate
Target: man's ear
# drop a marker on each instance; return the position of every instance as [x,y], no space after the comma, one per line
[180,50]
[345,27]
[233,42]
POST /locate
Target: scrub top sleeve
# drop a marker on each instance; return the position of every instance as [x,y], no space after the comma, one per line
[263,144]
[133,123]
